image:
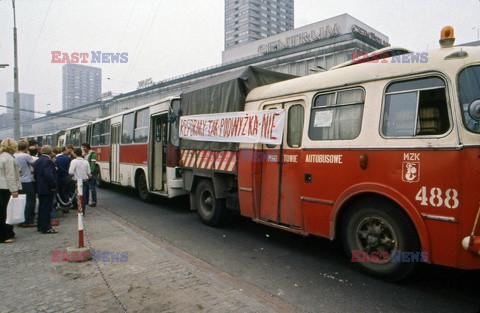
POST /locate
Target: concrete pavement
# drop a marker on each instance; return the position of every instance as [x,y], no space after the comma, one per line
[133,272]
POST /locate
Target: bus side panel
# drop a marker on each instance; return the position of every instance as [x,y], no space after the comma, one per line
[470,164]
[428,180]
[331,172]
[103,153]
[134,154]
[291,187]
[173,155]
[246,177]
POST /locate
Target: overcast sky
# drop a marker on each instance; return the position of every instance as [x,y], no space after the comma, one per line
[166,38]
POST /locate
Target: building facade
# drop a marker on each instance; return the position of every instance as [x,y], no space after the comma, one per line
[317,46]
[81,84]
[250,20]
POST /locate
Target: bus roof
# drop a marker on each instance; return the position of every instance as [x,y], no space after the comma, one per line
[143,106]
[436,60]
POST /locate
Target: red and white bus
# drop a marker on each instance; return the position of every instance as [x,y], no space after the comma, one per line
[383,154]
[133,149]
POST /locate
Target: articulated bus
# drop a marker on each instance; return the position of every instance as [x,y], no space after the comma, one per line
[53,139]
[133,149]
[382,152]
[78,134]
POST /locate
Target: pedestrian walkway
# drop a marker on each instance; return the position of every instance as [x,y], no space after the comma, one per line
[145,277]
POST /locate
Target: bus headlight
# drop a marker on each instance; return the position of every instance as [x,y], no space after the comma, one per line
[178,171]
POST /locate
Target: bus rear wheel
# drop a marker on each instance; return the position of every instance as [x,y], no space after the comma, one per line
[372,231]
[142,188]
[210,209]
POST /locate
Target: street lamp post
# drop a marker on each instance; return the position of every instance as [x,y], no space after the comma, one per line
[16,96]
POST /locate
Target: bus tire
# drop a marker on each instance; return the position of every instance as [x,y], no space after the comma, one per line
[371,230]
[210,209]
[142,188]
[98,178]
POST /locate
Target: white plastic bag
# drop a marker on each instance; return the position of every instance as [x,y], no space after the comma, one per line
[16,210]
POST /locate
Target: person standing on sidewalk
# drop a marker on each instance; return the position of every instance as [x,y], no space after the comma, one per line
[91,158]
[80,169]
[9,186]
[66,185]
[25,162]
[45,177]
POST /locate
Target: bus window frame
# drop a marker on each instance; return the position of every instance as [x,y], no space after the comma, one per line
[447,84]
[122,141]
[143,127]
[314,108]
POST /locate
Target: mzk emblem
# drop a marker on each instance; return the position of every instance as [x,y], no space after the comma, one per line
[411,172]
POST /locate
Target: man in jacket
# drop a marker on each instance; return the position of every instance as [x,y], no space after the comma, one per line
[45,177]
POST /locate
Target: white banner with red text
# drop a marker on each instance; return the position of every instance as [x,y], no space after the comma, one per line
[264,127]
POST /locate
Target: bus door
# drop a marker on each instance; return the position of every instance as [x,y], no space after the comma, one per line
[282,180]
[115,153]
[158,151]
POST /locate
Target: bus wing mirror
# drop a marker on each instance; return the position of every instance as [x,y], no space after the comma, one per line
[172,118]
[474,110]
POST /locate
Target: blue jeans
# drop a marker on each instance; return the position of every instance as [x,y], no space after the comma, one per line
[92,186]
[85,196]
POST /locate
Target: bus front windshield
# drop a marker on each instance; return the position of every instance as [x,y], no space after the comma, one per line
[469,96]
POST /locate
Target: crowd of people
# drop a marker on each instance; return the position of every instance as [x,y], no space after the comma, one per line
[50,175]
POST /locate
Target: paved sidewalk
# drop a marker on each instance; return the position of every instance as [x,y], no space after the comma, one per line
[155,278]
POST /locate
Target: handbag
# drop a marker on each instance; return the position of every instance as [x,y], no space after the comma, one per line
[16,210]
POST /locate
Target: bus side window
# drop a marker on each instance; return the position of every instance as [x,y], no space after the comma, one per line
[105,133]
[295,126]
[141,126]
[337,115]
[415,108]
[128,130]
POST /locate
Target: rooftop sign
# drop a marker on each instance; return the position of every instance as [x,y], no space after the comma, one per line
[329,28]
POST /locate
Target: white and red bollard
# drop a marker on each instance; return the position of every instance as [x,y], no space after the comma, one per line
[472,243]
[79,253]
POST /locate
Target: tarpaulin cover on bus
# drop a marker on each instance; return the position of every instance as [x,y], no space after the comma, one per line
[224,93]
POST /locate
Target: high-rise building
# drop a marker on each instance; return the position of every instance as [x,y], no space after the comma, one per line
[81,84]
[250,20]
[27,108]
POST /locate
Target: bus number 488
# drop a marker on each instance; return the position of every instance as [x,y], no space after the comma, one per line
[437,198]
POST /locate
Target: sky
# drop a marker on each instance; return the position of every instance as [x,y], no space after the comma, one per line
[167,38]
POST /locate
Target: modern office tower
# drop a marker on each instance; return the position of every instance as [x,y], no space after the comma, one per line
[81,85]
[27,107]
[250,20]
